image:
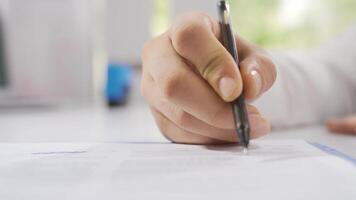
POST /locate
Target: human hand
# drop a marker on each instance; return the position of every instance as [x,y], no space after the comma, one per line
[189,79]
[344,125]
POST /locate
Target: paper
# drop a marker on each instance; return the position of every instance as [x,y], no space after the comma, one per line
[271,169]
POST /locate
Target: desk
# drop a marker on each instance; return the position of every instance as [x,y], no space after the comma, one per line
[130,123]
[134,123]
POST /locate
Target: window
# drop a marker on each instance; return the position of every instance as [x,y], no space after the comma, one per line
[277,23]
[292,23]
[3,77]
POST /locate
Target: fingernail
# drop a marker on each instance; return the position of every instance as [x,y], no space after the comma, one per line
[258,81]
[227,87]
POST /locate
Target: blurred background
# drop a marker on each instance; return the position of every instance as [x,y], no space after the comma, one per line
[59,52]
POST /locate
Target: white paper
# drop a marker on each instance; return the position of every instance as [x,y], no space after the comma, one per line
[270,170]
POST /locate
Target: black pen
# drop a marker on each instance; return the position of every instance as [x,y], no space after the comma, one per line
[242,124]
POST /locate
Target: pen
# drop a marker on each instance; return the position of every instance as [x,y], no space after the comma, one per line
[242,125]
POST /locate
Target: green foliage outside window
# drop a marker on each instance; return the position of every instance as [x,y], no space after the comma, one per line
[279,23]
[261,22]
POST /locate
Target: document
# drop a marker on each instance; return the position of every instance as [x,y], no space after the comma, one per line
[272,169]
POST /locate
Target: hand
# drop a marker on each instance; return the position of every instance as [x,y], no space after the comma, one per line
[189,79]
[345,125]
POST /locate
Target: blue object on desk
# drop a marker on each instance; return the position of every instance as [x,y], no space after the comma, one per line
[118,83]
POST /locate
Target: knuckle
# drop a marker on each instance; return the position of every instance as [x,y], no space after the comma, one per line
[186,33]
[270,69]
[170,86]
[214,61]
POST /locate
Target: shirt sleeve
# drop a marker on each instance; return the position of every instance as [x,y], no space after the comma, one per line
[314,85]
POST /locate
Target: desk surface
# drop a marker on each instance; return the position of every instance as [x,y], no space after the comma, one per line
[129,123]
[132,123]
